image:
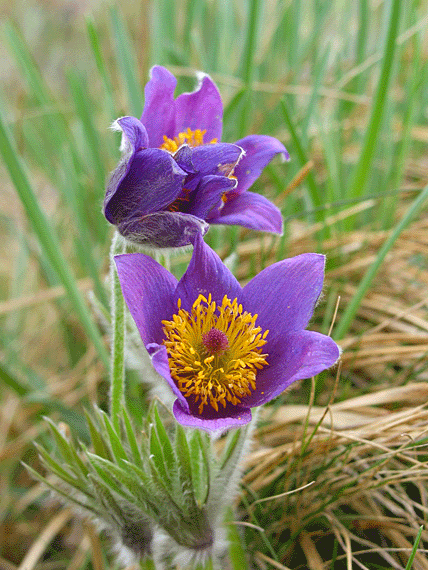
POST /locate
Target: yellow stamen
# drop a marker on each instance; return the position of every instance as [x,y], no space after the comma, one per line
[191,138]
[180,203]
[214,352]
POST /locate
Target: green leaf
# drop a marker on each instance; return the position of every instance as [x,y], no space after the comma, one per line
[156,456]
[232,443]
[184,466]
[90,506]
[201,472]
[66,448]
[112,475]
[98,442]
[145,480]
[250,47]
[115,443]
[132,440]
[106,499]
[52,465]
[138,491]
[164,442]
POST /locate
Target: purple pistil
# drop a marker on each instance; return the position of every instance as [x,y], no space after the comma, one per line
[215,341]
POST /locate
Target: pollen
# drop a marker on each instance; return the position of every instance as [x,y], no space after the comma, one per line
[189,137]
[214,352]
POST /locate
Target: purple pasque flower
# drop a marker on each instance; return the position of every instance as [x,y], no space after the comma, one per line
[175,177]
[223,348]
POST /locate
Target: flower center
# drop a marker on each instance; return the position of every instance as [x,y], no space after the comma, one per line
[214,352]
[192,138]
[215,341]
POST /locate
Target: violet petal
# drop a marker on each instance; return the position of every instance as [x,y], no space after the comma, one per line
[252,211]
[217,158]
[296,356]
[209,193]
[159,356]
[134,131]
[284,294]
[148,290]
[206,274]
[159,109]
[259,151]
[147,181]
[183,157]
[238,417]
[202,109]
[163,229]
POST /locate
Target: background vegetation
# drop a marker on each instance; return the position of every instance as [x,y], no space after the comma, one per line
[344,85]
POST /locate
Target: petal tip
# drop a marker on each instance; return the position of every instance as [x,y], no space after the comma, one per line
[214,425]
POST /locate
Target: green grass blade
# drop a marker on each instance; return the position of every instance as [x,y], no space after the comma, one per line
[84,105]
[363,167]
[19,387]
[319,73]
[102,70]
[352,308]
[362,39]
[247,65]
[237,552]
[314,194]
[127,62]
[414,549]
[188,23]
[76,196]
[46,235]
[27,64]
[294,29]
[54,125]
[401,154]
[331,148]
[250,47]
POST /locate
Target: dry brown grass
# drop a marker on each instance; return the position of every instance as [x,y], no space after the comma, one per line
[357,469]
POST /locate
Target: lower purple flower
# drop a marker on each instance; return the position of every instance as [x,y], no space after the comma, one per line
[223,348]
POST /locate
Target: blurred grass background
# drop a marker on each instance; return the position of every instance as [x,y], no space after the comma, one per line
[344,86]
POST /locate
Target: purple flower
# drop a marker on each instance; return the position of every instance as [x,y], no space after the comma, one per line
[224,349]
[175,177]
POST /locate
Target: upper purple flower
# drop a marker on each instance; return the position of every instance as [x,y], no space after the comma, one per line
[224,349]
[175,177]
